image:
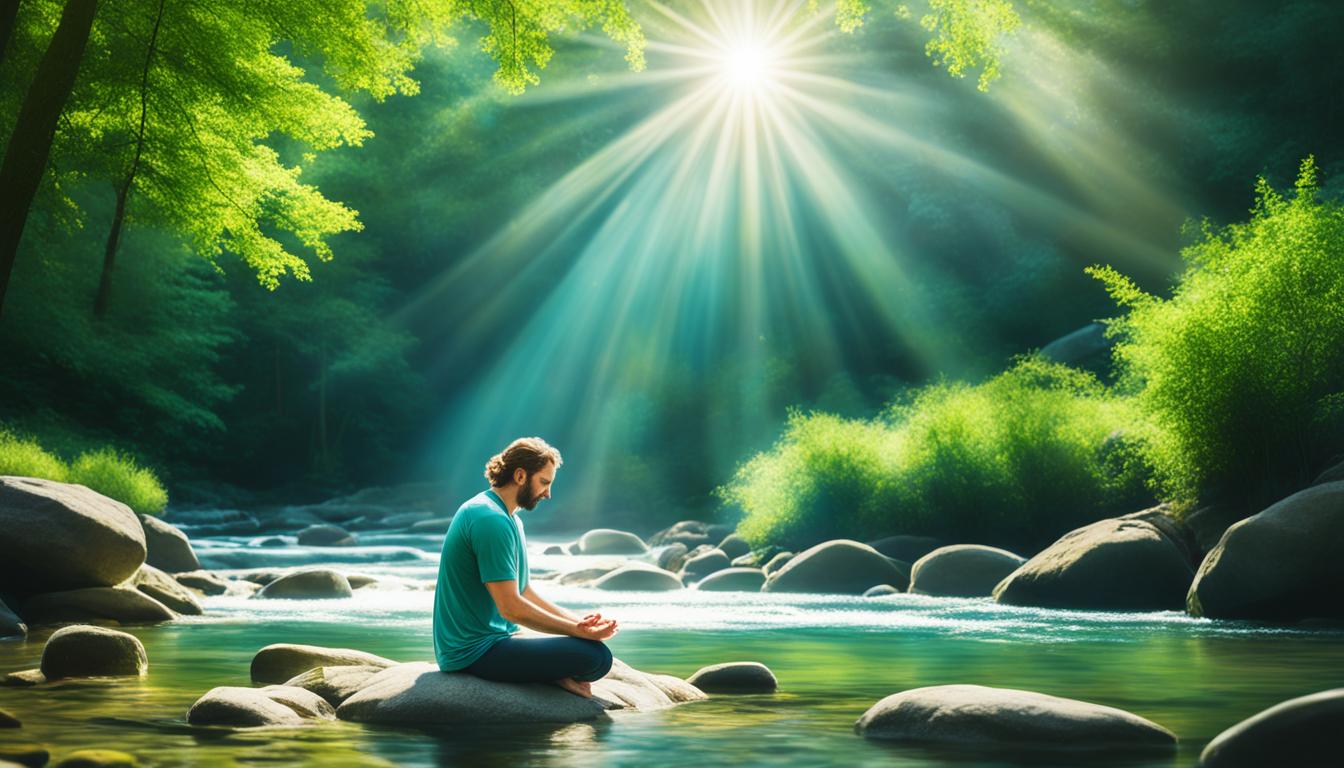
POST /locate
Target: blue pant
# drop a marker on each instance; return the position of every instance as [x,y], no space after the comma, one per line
[542,660]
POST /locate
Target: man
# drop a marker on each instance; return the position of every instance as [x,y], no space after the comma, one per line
[483,592]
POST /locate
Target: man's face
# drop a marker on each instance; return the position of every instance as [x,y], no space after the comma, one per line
[536,487]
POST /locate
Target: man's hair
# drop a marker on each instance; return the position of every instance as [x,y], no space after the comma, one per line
[529,453]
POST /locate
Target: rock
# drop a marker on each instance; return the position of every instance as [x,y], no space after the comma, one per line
[1109,565]
[1283,563]
[1208,524]
[606,541]
[250,707]
[1177,532]
[308,584]
[323,535]
[405,519]
[585,575]
[60,537]
[633,689]
[358,580]
[690,533]
[204,582]
[881,590]
[85,651]
[572,548]
[907,549]
[1000,718]
[735,677]
[98,758]
[282,661]
[25,678]
[166,590]
[10,623]
[1301,731]
[554,549]
[777,562]
[701,565]
[433,525]
[167,547]
[671,557]
[841,566]
[962,570]
[734,546]
[264,576]
[9,721]
[270,542]
[733,580]
[1332,474]
[242,589]
[30,755]
[632,578]
[123,605]
[335,684]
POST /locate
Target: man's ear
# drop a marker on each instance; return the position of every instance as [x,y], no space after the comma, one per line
[519,475]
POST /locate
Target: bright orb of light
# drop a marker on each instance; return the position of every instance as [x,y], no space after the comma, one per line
[746,65]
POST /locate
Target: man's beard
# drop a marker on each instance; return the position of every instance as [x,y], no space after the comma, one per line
[526,499]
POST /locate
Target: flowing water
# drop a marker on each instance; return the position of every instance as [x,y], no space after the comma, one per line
[834,657]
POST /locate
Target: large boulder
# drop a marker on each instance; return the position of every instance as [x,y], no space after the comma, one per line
[699,566]
[336,683]
[962,570]
[1114,564]
[60,536]
[1176,531]
[777,562]
[607,541]
[10,623]
[841,566]
[633,578]
[907,549]
[322,535]
[282,661]
[250,707]
[735,677]
[204,582]
[166,590]
[1301,731]
[734,546]
[733,580]
[671,557]
[124,605]
[84,651]
[1001,718]
[1283,563]
[167,546]
[308,584]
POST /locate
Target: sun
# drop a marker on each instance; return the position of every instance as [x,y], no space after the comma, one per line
[748,64]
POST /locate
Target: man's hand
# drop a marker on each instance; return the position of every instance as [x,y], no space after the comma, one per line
[594,627]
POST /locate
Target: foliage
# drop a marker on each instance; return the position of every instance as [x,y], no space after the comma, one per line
[967,36]
[1015,461]
[117,475]
[24,457]
[1241,371]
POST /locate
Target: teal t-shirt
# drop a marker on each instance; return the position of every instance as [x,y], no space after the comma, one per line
[484,543]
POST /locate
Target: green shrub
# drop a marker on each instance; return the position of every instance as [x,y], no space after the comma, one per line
[1240,372]
[25,458]
[1017,461]
[117,476]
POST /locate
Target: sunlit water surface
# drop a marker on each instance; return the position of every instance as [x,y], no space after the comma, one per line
[834,657]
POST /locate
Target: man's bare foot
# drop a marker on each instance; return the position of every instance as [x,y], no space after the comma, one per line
[576,687]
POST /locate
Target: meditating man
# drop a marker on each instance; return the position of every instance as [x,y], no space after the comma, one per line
[483,592]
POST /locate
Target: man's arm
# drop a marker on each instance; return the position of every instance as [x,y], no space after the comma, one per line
[546,605]
[513,607]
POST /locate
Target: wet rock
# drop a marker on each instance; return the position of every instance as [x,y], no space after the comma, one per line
[1283,563]
[607,541]
[1003,718]
[98,758]
[166,590]
[734,546]
[633,578]
[777,562]
[699,566]
[305,703]
[322,535]
[251,707]
[204,582]
[735,677]
[85,651]
[308,584]
[433,525]
[840,567]
[10,623]
[282,661]
[335,684]
[671,557]
[242,589]
[963,570]
[907,549]
[1301,731]
[60,537]
[1116,565]
[9,721]
[24,678]
[733,580]
[167,546]
[881,590]
[124,605]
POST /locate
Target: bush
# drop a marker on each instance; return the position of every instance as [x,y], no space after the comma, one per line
[1016,461]
[25,458]
[1240,372]
[117,476]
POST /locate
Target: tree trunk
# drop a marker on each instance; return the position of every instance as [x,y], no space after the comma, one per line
[124,191]
[30,143]
[9,12]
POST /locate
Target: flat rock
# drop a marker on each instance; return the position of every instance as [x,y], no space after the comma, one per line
[335,684]
[633,578]
[839,567]
[1301,731]
[308,584]
[97,758]
[168,548]
[85,651]
[124,605]
[735,677]
[1283,563]
[733,580]
[1114,564]
[10,623]
[323,535]
[963,570]
[608,541]
[166,590]
[282,661]
[60,536]
[997,718]
[252,707]
[204,582]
